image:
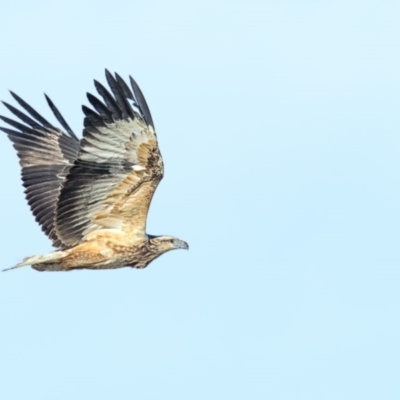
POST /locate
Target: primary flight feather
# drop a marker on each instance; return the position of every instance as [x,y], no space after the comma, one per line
[91,197]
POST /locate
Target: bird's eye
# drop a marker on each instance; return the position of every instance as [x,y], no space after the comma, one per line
[171,240]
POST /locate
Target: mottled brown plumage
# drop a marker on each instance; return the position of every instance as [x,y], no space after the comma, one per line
[92,197]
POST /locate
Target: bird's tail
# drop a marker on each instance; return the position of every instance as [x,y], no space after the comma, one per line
[42,262]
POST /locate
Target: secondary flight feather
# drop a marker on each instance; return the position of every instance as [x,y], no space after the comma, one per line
[91,197]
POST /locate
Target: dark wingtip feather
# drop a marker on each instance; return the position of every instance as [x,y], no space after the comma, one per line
[33,113]
[141,101]
[127,111]
[92,118]
[9,132]
[124,87]
[15,124]
[99,107]
[59,117]
[23,117]
[109,100]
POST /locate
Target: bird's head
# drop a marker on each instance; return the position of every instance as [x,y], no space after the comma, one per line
[162,244]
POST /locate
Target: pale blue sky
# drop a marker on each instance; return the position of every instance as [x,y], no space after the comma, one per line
[279,126]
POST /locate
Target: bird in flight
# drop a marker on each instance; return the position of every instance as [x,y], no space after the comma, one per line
[91,196]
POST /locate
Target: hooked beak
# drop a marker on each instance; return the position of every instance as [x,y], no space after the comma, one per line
[182,245]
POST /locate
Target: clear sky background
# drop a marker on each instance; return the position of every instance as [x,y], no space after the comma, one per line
[279,125]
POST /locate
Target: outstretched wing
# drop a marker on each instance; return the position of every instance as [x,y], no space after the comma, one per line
[45,154]
[117,169]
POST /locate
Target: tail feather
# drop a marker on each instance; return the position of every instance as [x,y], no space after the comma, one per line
[40,259]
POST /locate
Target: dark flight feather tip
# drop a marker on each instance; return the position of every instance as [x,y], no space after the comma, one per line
[23,117]
[92,118]
[99,107]
[109,100]
[124,87]
[15,124]
[33,113]
[141,102]
[59,117]
[127,111]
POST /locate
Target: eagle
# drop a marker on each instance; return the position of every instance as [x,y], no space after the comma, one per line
[91,196]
